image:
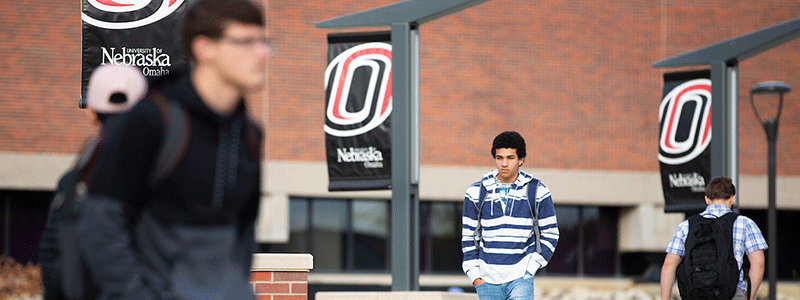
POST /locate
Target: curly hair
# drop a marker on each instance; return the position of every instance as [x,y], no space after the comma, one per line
[510,140]
[720,188]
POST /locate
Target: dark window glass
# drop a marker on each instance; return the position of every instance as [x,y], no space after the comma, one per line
[370,229]
[600,240]
[328,234]
[27,215]
[565,260]
[298,215]
[425,249]
[787,225]
[443,237]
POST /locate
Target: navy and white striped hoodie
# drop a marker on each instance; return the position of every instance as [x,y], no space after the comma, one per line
[508,246]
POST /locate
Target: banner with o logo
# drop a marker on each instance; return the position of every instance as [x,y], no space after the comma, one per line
[358,106]
[684,137]
[140,33]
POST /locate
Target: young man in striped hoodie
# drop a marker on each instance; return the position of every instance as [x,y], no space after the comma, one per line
[502,264]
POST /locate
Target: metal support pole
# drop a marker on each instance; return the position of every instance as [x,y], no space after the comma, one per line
[719,119]
[723,146]
[771,129]
[405,200]
[732,86]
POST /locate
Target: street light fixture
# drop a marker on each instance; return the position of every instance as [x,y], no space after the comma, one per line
[771,129]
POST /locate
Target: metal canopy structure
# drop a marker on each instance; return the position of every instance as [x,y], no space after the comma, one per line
[404,19]
[412,11]
[738,48]
[724,57]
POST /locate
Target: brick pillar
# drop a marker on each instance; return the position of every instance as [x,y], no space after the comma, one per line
[280,276]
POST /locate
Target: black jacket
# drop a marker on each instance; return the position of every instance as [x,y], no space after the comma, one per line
[190,237]
[49,252]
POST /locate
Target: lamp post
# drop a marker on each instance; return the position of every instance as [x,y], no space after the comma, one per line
[771,129]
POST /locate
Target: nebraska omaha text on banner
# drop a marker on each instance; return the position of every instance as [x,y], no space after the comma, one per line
[685,133]
[358,103]
[140,33]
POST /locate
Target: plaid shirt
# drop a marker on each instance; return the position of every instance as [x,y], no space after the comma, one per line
[746,237]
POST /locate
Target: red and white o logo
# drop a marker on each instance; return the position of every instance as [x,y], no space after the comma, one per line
[129,7]
[377,106]
[685,117]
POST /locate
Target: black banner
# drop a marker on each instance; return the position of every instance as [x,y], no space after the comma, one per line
[358,105]
[137,33]
[685,133]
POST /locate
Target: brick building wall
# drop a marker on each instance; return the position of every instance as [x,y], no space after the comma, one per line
[281,276]
[280,285]
[574,77]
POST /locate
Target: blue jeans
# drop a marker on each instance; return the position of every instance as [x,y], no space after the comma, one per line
[517,289]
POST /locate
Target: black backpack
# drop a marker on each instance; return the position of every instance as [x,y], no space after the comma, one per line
[65,273]
[530,193]
[59,243]
[708,269]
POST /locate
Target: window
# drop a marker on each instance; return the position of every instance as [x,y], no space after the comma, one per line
[370,235]
[342,234]
[440,237]
[600,240]
[587,241]
[328,233]
[298,228]
[565,258]
[24,214]
[352,235]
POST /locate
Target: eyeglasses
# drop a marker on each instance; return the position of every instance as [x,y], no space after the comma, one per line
[248,42]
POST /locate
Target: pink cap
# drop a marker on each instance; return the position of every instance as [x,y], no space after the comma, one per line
[114,89]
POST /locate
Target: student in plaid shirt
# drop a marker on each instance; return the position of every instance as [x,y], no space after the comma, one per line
[747,238]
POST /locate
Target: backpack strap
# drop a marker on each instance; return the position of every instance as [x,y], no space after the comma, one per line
[729,220]
[253,141]
[477,235]
[88,151]
[174,144]
[530,194]
[177,135]
[691,241]
[85,161]
[531,189]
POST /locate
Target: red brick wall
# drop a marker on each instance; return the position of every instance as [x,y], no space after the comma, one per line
[574,77]
[40,82]
[280,285]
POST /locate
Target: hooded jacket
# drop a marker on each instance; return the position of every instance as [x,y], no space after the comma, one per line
[192,235]
[507,249]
